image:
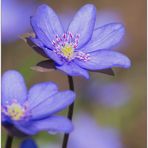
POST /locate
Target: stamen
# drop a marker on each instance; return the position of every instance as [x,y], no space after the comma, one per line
[64,35]
[65,46]
[15,110]
[83,56]
[67,52]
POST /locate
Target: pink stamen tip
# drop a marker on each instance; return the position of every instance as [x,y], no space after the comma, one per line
[76,41]
[83,56]
[64,35]
[75,46]
[70,34]
[57,39]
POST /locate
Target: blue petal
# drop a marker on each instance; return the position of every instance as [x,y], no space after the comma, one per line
[28,143]
[40,92]
[37,42]
[73,69]
[46,24]
[52,55]
[83,23]
[52,104]
[105,37]
[103,59]
[13,87]
[5,118]
[45,51]
[53,124]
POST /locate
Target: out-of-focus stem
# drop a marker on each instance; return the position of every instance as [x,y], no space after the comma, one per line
[9,141]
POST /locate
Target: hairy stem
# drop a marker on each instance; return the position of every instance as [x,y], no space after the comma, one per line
[70,112]
[9,141]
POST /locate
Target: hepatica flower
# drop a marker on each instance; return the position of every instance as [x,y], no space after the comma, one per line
[101,92]
[98,136]
[33,111]
[19,13]
[81,47]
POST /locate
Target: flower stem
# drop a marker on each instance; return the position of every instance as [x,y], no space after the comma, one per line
[9,141]
[70,112]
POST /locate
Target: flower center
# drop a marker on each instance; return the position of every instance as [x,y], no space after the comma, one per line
[65,47]
[67,51]
[14,110]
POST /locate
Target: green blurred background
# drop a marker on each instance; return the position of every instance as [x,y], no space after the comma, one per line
[130,118]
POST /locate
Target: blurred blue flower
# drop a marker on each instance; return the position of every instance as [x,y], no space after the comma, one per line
[113,95]
[81,47]
[109,94]
[88,134]
[33,111]
[15,18]
[28,143]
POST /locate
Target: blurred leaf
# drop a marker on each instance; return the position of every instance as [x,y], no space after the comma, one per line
[108,71]
[26,38]
[44,66]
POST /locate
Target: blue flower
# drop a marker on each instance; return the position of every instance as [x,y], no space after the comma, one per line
[89,134]
[33,111]
[99,136]
[101,92]
[12,19]
[81,47]
[28,143]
